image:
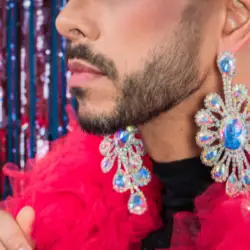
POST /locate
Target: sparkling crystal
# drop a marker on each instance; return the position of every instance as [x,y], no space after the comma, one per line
[107,163]
[124,159]
[135,161]
[227,63]
[220,172]
[131,129]
[122,137]
[209,156]
[233,185]
[137,203]
[214,102]
[120,182]
[140,148]
[240,93]
[142,177]
[204,138]
[203,119]
[247,148]
[106,146]
[233,133]
[246,178]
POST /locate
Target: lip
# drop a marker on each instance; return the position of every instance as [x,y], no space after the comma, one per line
[82,73]
[76,67]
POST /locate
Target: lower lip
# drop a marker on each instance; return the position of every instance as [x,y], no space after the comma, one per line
[81,79]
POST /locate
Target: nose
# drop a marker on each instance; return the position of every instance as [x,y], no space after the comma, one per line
[75,24]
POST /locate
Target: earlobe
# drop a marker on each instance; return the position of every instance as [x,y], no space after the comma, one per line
[237,26]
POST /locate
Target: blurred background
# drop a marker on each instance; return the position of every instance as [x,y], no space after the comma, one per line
[33,74]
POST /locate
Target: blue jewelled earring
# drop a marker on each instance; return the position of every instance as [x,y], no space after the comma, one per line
[224,131]
[127,150]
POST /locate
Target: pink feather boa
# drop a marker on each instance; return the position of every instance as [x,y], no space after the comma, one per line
[75,204]
[76,207]
[220,223]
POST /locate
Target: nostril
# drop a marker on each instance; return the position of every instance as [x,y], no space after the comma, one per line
[76,33]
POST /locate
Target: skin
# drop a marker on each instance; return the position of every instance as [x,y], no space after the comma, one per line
[157,36]
[129,37]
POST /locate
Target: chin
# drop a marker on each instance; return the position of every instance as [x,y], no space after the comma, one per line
[96,106]
[99,121]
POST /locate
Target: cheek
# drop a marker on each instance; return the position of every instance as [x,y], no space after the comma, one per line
[149,18]
[210,44]
[135,28]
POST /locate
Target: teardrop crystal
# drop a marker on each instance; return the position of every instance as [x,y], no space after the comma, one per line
[137,203]
[106,146]
[214,103]
[122,137]
[107,163]
[226,63]
[120,182]
[220,173]
[204,138]
[209,156]
[142,177]
[246,178]
[233,185]
[203,118]
[240,93]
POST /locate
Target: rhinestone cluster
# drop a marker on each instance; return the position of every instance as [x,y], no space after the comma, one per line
[224,131]
[127,150]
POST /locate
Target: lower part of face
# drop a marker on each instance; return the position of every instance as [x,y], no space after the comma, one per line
[169,74]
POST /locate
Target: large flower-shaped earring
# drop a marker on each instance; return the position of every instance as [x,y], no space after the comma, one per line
[224,131]
[127,150]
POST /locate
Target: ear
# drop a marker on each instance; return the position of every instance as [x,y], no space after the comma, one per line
[236,31]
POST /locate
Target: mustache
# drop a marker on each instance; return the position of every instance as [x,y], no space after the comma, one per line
[84,52]
[78,92]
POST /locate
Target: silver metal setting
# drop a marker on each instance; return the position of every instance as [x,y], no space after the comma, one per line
[224,131]
[126,149]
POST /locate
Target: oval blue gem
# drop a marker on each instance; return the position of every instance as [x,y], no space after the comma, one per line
[120,180]
[225,65]
[232,133]
[206,138]
[142,173]
[214,102]
[142,177]
[136,201]
[211,155]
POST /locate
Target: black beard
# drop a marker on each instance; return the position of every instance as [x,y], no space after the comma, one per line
[170,75]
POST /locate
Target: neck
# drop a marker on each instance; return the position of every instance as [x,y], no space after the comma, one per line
[171,136]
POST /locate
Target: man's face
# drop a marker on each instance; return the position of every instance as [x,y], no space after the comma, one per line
[147,56]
